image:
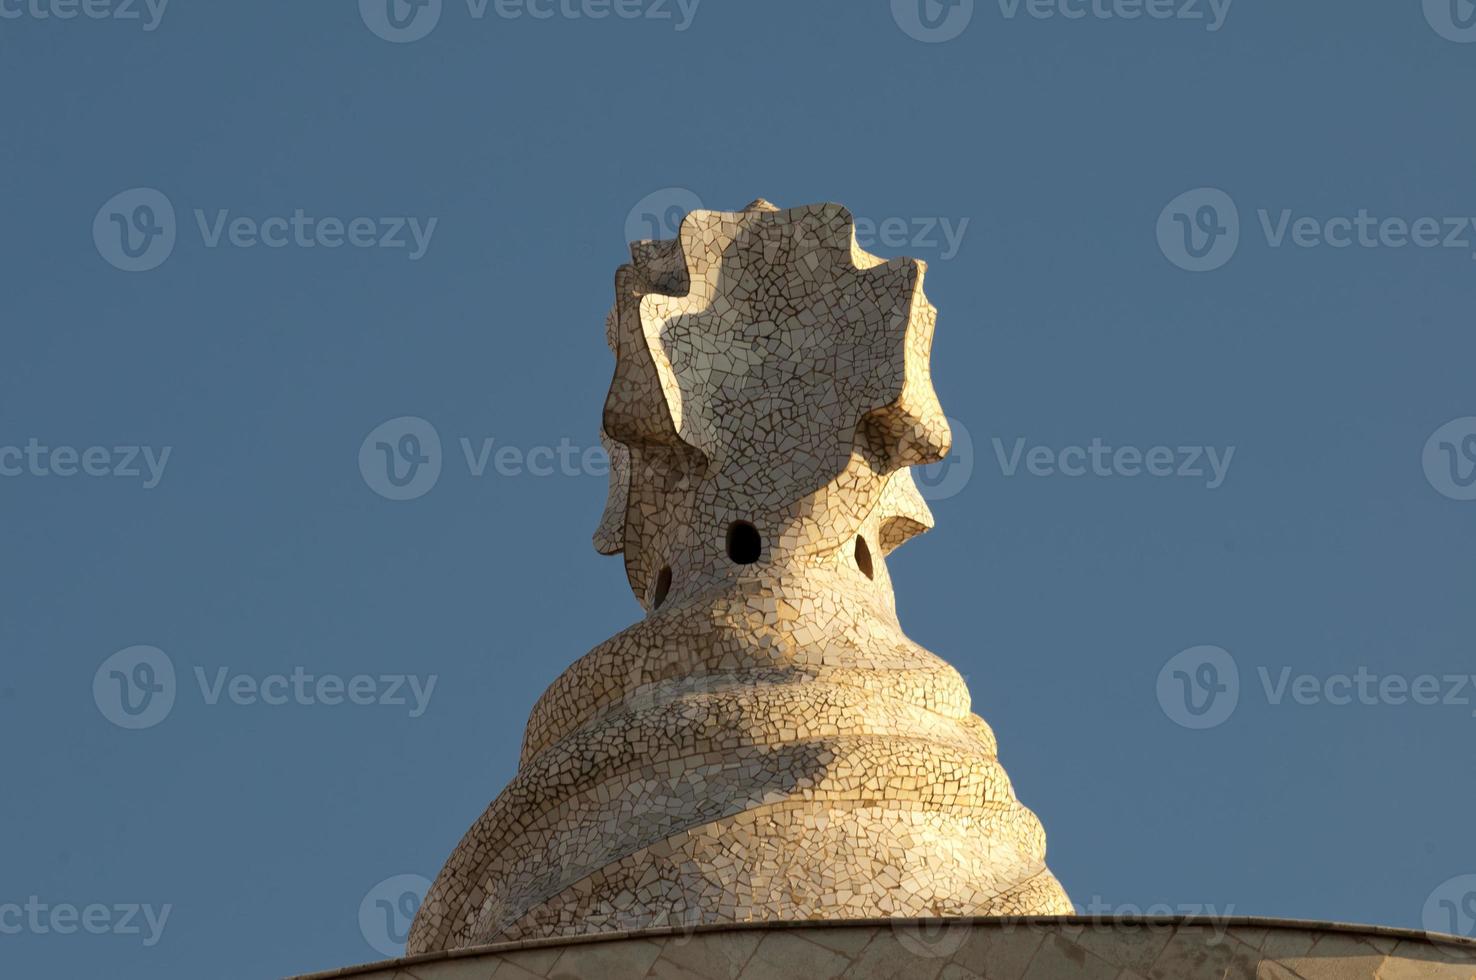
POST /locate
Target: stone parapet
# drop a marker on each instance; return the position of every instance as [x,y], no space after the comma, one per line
[1050,948]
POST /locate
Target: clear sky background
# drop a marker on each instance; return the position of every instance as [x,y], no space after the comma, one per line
[1337,540]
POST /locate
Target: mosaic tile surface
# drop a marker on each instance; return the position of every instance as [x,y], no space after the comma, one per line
[767,744]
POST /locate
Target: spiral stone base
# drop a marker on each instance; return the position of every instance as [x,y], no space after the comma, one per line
[715,764]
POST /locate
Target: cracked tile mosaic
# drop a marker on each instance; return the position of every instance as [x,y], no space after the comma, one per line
[767,744]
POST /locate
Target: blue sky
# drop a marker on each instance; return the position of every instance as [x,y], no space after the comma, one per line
[1205,278]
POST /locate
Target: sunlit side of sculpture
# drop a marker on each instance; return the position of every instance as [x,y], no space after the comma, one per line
[766,744]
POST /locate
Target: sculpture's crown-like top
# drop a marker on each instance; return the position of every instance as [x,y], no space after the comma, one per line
[770,373]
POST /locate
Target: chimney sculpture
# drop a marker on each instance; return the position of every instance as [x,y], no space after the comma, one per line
[766,745]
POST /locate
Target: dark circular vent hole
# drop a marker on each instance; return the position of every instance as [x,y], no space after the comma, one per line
[744,543]
[863,556]
[663,586]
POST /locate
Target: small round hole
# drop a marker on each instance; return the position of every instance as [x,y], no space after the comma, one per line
[663,586]
[744,543]
[863,556]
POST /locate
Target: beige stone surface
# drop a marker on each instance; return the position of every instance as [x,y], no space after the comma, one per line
[1062,948]
[767,745]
